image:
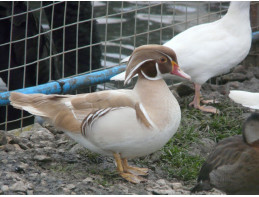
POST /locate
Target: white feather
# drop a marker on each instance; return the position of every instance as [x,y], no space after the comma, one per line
[247,99]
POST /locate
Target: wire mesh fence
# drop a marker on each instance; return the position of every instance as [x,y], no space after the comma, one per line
[45,41]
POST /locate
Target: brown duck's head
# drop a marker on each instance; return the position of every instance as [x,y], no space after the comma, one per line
[251,130]
[153,62]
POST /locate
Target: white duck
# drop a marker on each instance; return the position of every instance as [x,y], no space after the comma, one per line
[211,49]
[120,123]
[247,99]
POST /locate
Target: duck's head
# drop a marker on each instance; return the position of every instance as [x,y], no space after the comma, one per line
[153,62]
[251,130]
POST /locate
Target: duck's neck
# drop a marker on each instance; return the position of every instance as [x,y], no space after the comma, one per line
[149,90]
[157,100]
[238,10]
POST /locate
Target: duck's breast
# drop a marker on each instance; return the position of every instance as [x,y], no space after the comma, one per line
[119,131]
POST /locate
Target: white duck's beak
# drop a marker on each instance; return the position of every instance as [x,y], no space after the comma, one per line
[177,71]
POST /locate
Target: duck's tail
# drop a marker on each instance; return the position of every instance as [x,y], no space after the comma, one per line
[52,107]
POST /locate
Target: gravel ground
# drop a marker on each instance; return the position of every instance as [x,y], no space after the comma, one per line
[42,160]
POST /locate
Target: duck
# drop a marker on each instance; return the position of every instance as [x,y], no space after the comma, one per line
[211,49]
[233,166]
[123,123]
[245,98]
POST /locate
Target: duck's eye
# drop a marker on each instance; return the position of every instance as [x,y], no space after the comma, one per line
[163,60]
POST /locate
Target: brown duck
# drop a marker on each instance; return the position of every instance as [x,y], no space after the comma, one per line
[233,166]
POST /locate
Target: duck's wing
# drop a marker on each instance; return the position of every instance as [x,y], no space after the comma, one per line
[68,111]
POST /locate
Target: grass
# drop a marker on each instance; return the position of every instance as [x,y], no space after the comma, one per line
[196,125]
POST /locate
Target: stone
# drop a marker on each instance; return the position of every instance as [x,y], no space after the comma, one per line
[26,134]
[88,179]
[202,148]
[66,190]
[5,188]
[167,191]
[43,174]
[71,186]
[42,134]
[77,148]
[233,77]
[9,147]
[29,192]
[176,186]
[19,187]
[123,188]
[42,158]
[161,182]
[184,89]
[3,139]
[240,69]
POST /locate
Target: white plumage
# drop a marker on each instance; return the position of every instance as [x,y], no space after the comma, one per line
[247,99]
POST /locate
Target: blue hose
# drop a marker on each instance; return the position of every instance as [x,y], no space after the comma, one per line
[67,85]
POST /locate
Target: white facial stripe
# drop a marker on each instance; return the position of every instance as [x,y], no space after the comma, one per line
[135,68]
[158,71]
[159,75]
[165,55]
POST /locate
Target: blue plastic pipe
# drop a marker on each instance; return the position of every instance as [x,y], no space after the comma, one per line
[67,85]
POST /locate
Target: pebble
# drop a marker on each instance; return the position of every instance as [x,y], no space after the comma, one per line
[3,139]
[5,188]
[43,183]
[42,158]
[124,188]
[42,135]
[161,182]
[76,148]
[163,191]
[71,186]
[43,174]
[66,190]
[88,179]
[176,186]
[29,192]
[19,187]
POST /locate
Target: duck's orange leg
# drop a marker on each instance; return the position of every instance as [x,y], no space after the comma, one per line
[196,101]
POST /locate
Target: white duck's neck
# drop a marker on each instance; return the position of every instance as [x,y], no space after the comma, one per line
[239,10]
